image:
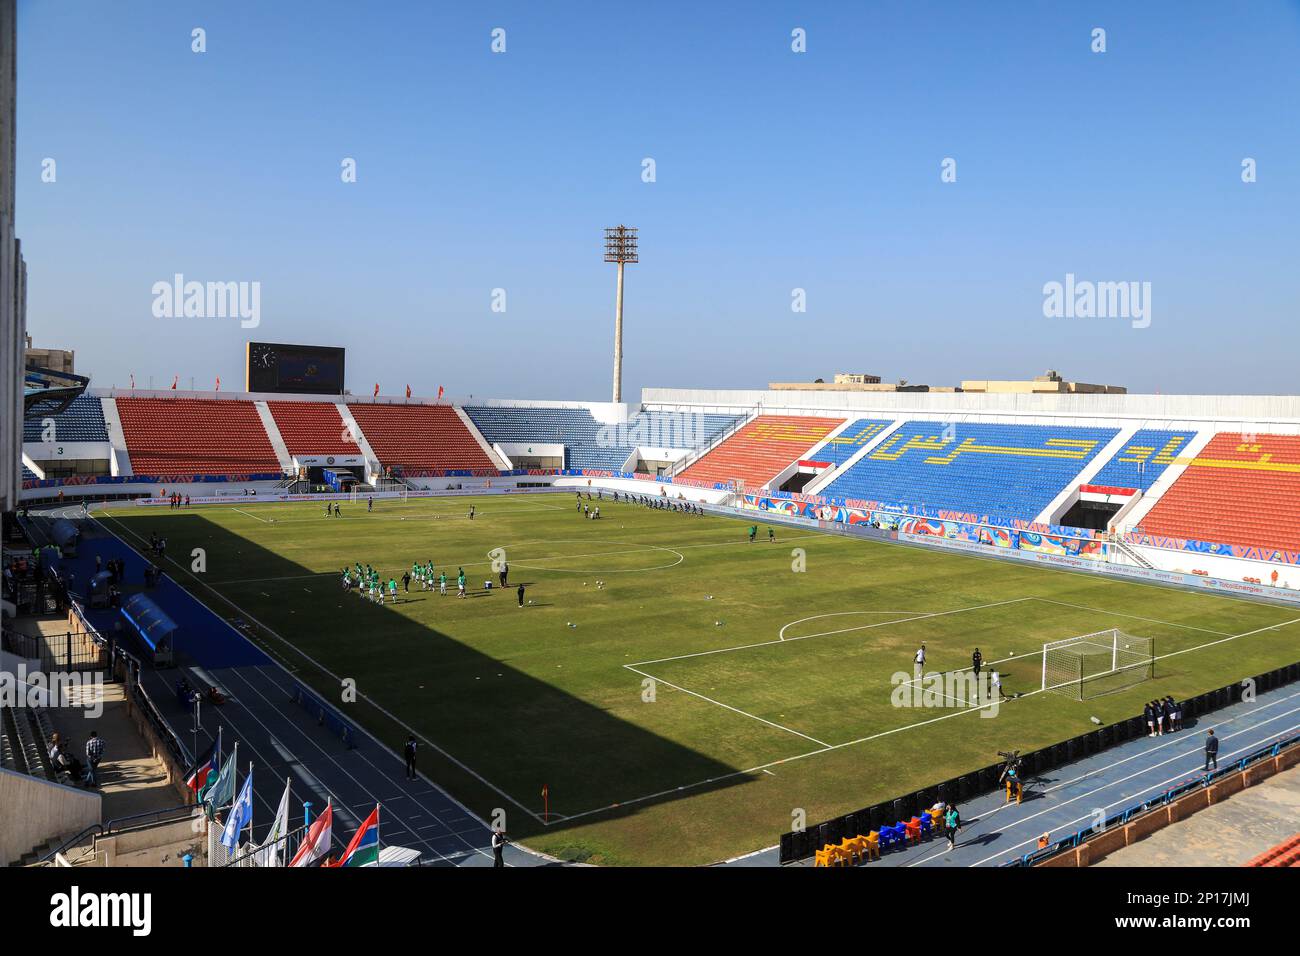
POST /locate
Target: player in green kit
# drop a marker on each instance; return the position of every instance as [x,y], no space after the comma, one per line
[442,583]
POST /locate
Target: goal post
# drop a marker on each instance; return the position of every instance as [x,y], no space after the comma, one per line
[1091,665]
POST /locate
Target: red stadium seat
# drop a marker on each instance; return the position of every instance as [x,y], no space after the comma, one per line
[417,438]
[1235,492]
[168,437]
[758,452]
[312,428]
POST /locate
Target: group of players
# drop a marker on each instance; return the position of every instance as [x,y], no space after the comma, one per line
[368,582]
[656,504]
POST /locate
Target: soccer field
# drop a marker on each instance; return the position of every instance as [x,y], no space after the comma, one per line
[708,689]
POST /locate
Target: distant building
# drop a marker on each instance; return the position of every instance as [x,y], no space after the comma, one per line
[56,360]
[1050,382]
[850,382]
[853,378]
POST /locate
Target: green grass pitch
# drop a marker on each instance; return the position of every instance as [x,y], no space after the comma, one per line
[709,691]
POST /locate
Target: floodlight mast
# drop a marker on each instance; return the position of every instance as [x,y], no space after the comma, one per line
[620,247]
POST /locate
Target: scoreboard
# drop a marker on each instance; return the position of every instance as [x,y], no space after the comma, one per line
[304,369]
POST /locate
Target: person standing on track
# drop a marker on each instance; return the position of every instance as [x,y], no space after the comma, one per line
[952,823]
[1211,750]
[499,842]
[409,752]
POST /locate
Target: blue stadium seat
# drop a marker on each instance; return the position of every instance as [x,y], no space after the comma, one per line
[83,420]
[1143,459]
[847,443]
[1011,471]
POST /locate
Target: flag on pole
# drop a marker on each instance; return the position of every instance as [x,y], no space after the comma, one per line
[133,381]
[376,389]
[439,392]
[269,854]
[213,771]
[223,791]
[240,814]
[199,775]
[363,849]
[218,383]
[317,841]
[175,379]
[408,391]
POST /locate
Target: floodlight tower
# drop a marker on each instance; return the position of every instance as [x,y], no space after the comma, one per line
[620,247]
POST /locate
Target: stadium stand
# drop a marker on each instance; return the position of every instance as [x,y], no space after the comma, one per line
[588,444]
[1244,492]
[1286,854]
[842,447]
[758,451]
[414,438]
[983,468]
[312,428]
[29,475]
[184,436]
[1143,459]
[83,420]
[575,428]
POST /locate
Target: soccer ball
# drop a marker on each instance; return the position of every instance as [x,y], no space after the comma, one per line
[717,624]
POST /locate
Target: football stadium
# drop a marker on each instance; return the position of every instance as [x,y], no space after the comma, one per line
[339,614]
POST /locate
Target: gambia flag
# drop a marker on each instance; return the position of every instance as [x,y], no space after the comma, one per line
[363,850]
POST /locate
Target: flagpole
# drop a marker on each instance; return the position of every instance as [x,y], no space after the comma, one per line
[251,803]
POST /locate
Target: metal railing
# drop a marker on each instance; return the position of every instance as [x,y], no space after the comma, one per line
[135,821]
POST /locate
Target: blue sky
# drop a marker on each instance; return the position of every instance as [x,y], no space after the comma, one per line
[775,171]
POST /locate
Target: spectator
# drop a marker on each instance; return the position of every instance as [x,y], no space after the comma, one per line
[952,821]
[94,754]
[63,761]
[1211,750]
[1149,716]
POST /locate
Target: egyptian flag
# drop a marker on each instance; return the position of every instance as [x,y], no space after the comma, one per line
[439,392]
[316,844]
[363,850]
[218,383]
[175,379]
[376,389]
[408,391]
[199,775]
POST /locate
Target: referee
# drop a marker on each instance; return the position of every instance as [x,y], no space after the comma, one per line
[976,661]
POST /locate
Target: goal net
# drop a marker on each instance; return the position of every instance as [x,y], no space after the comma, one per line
[1095,664]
